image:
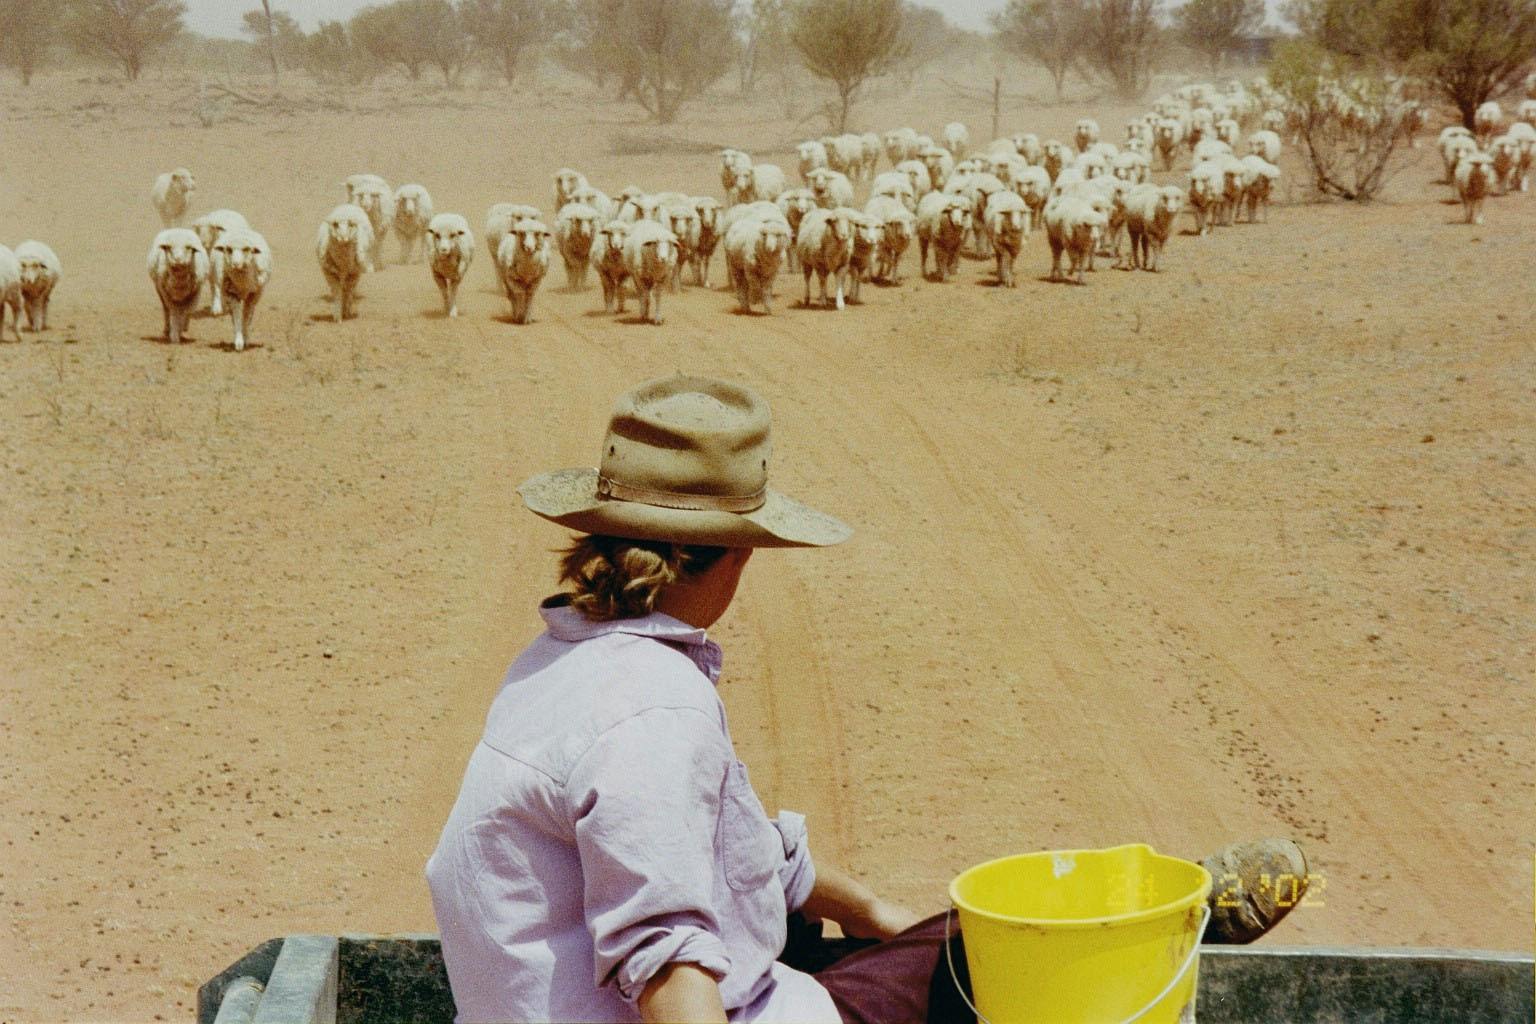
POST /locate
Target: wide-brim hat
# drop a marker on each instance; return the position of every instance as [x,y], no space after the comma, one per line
[685,460]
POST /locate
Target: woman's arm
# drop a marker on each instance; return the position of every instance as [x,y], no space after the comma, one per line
[683,993]
[855,907]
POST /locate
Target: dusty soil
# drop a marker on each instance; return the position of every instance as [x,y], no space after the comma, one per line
[1245,548]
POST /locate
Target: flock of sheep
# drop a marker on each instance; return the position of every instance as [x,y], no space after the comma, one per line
[1085,193]
[1481,161]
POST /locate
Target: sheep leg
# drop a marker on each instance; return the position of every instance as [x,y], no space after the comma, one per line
[922,250]
[807,270]
[1055,260]
[237,315]
[656,308]
[838,277]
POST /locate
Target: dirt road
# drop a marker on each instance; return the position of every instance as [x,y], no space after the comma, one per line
[1243,548]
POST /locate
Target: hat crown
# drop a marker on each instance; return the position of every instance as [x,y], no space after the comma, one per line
[689,436]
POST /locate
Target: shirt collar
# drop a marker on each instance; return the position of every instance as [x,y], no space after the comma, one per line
[567,624]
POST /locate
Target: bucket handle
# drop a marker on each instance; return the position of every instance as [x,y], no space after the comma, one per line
[1194,950]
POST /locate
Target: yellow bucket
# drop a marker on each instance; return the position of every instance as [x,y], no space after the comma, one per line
[1083,936]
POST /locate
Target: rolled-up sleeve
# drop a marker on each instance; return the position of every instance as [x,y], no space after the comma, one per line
[645,803]
[798,873]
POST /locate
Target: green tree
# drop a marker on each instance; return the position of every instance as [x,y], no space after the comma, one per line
[1470,51]
[504,30]
[1120,42]
[330,54]
[664,53]
[1214,28]
[1051,33]
[848,42]
[277,32]
[415,34]
[125,32]
[27,29]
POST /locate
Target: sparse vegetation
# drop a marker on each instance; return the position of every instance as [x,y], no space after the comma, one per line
[504,31]
[848,42]
[413,35]
[664,53]
[27,29]
[1469,51]
[1213,28]
[1120,39]
[1350,121]
[124,32]
[1045,32]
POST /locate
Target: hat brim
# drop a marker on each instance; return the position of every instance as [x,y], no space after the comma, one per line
[569,497]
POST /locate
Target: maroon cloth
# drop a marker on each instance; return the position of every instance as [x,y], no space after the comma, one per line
[903,980]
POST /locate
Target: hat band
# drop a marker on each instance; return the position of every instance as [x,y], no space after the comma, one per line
[607,488]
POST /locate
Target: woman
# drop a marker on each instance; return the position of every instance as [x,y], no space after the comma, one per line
[607,859]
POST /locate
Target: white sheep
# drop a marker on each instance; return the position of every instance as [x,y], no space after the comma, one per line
[872,151]
[637,207]
[867,232]
[1205,191]
[1487,120]
[1167,137]
[597,199]
[956,138]
[831,188]
[575,230]
[683,221]
[245,267]
[1505,152]
[1454,145]
[741,211]
[178,267]
[1474,180]
[357,181]
[650,258]
[344,247]
[940,164]
[10,292]
[1028,146]
[754,248]
[1266,144]
[522,260]
[567,182]
[824,244]
[376,200]
[500,219]
[1033,186]
[733,164]
[767,183]
[1229,131]
[942,222]
[1132,167]
[1232,177]
[1085,133]
[1007,229]
[1150,212]
[900,144]
[710,233]
[40,274]
[172,195]
[897,227]
[450,251]
[1072,226]
[1526,112]
[895,185]
[917,173]
[210,227]
[1525,137]
[608,260]
[845,153]
[793,205]
[1259,179]
[412,214]
[813,154]
[1053,157]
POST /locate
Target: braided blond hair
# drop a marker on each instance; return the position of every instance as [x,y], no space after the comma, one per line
[620,578]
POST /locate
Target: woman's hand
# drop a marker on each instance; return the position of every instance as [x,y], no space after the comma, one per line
[881,920]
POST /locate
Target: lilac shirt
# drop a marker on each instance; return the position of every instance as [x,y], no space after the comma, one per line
[605,828]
